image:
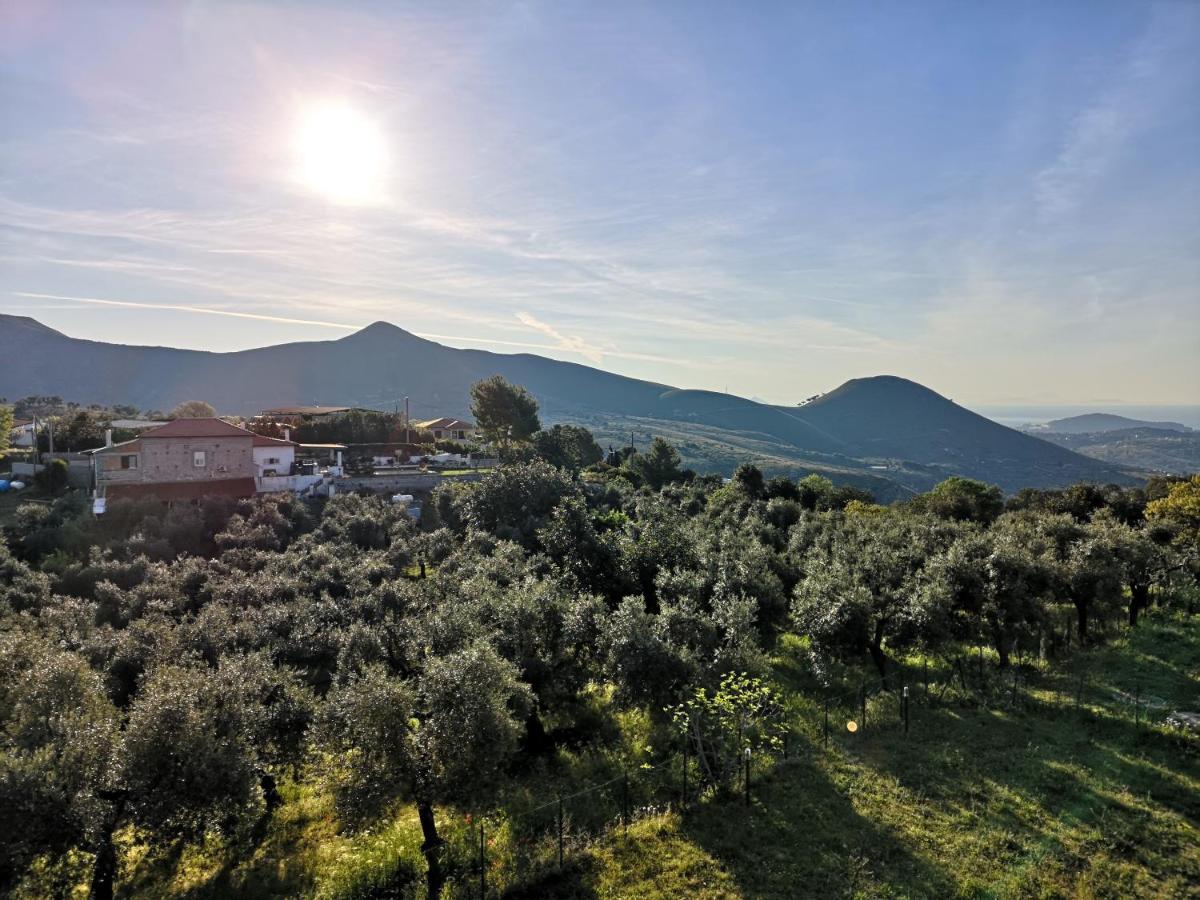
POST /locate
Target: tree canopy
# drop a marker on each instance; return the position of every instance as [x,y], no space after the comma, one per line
[504,412]
[193,409]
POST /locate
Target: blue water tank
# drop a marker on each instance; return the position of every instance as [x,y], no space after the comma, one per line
[3,486]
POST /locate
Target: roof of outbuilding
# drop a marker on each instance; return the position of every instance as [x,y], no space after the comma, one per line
[261,440]
[446,422]
[135,424]
[306,410]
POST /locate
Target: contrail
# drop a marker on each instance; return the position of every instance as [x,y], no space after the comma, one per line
[342,326]
[191,309]
[265,318]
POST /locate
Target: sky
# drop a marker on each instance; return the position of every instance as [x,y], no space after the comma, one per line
[1000,200]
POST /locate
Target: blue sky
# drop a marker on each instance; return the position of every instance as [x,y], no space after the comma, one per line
[998,199]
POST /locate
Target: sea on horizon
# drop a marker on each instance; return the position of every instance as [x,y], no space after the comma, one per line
[1016,415]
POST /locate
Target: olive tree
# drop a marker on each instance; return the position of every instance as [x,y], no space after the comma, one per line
[438,738]
[57,731]
[862,590]
[570,447]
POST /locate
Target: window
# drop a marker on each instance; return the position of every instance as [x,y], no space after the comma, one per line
[129,462]
[199,459]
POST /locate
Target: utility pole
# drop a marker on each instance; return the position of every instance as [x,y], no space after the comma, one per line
[406,434]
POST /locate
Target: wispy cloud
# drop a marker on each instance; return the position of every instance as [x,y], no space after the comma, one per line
[1131,100]
[571,344]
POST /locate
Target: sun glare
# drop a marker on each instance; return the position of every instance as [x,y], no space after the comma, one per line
[341,155]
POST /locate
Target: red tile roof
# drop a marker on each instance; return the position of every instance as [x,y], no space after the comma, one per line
[261,440]
[183,490]
[196,428]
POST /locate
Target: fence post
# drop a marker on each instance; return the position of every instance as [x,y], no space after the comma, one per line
[826,735]
[906,710]
[685,786]
[625,800]
[482,863]
[926,667]
[747,755]
[863,717]
[560,831]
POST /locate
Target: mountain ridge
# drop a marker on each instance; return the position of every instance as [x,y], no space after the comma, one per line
[883,426]
[1100,422]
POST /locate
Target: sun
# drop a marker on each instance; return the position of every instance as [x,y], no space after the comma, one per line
[341,155]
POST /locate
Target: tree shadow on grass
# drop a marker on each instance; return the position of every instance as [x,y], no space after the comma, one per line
[576,879]
[1037,785]
[802,837]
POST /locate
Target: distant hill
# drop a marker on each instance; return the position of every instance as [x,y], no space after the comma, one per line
[890,418]
[880,431]
[1096,422]
[1147,450]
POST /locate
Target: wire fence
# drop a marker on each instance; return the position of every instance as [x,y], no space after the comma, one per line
[543,840]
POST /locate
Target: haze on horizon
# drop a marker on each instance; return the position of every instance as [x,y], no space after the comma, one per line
[1001,201]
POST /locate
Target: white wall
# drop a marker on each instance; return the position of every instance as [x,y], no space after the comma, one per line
[285,454]
[283,483]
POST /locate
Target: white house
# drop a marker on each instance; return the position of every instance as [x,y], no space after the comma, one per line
[448,429]
[273,456]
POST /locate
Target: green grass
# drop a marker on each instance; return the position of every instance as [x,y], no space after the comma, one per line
[981,799]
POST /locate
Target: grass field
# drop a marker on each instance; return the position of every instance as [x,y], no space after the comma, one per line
[983,798]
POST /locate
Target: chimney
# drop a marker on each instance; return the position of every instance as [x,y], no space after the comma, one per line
[108,437]
[287,434]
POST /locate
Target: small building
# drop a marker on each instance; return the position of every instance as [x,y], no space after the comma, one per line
[448,429]
[273,456]
[323,454]
[182,460]
[22,433]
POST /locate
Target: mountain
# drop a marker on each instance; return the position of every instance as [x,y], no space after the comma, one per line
[887,433]
[1096,422]
[886,418]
